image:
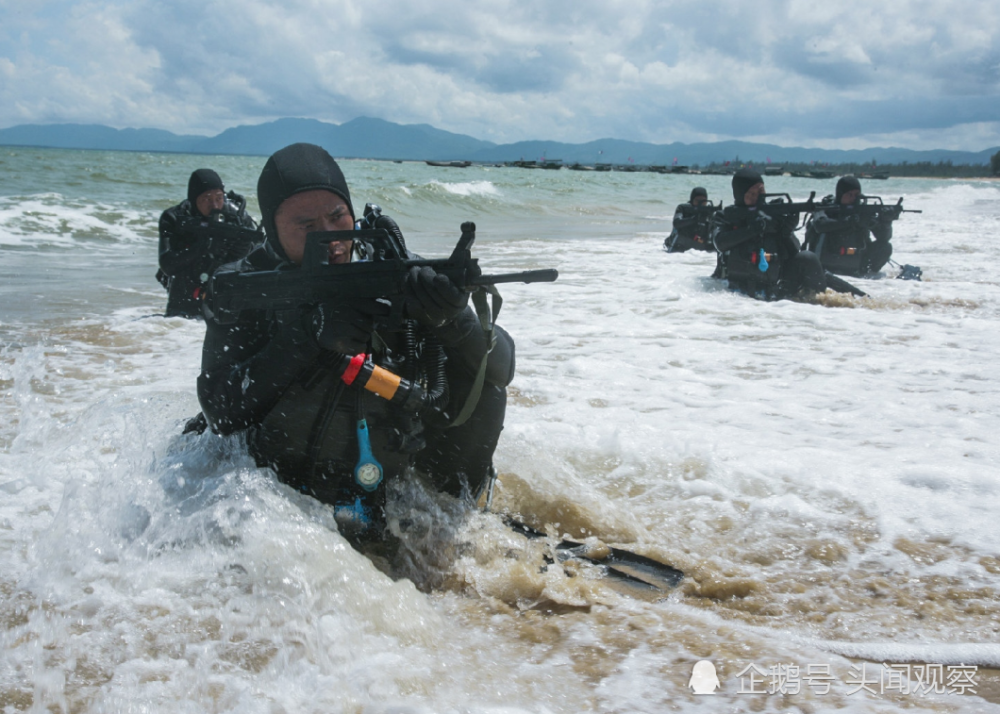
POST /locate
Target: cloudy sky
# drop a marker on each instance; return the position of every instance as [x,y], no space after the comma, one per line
[826,74]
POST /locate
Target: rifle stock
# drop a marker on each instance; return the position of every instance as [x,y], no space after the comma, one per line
[383,275]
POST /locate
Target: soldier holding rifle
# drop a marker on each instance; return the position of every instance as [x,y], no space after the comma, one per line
[198,235]
[759,253]
[340,394]
[851,233]
[692,224]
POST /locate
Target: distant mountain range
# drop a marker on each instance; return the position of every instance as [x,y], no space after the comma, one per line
[370,138]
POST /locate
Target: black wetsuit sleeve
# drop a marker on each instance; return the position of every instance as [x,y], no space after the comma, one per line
[727,233]
[246,367]
[735,225]
[789,244]
[465,344]
[176,252]
[822,223]
[882,229]
[685,218]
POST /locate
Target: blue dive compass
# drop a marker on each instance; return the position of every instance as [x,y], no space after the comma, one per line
[368,471]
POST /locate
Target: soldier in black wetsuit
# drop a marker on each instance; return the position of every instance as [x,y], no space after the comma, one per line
[692,225]
[188,254]
[849,241]
[279,379]
[759,253]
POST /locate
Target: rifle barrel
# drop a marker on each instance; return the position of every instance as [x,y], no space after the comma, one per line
[546,275]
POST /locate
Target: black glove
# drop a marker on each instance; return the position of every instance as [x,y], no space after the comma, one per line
[432,299]
[887,217]
[789,222]
[345,326]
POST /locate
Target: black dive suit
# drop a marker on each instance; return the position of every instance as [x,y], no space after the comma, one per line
[267,375]
[692,229]
[848,242]
[186,260]
[760,255]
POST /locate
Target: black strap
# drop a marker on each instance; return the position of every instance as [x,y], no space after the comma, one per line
[487,319]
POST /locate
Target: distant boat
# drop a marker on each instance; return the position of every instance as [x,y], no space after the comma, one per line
[774,170]
[813,174]
[543,164]
[450,164]
[580,167]
[602,167]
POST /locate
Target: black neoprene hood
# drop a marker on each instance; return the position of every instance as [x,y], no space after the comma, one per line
[847,183]
[203,180]
[743,181]
[292,170]
[698,191]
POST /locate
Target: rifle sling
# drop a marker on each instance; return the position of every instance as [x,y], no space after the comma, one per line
[486,320]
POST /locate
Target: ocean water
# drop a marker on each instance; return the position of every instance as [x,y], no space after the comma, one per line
[825,473]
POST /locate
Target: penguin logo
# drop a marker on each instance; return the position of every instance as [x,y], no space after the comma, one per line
[704,680]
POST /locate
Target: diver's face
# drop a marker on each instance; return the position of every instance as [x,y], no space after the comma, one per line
[698,201]
[753,194]
[308,212]
[212,200]
[850,197]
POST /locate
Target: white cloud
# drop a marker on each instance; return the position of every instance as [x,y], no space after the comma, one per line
[925,73]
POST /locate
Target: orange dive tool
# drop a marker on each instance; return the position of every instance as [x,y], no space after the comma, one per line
[361,371]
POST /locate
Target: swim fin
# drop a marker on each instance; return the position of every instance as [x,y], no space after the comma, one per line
[637,570]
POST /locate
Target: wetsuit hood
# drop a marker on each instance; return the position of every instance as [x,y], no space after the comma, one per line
[846,183]
[292,170]
[743,181]
[698,191]
[202,180]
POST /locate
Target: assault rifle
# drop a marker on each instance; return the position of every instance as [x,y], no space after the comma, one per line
[704,212]
[381,275]
[223,242]
[869,209]
[705,209]
[782,206]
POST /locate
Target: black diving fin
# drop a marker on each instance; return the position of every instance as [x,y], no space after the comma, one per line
[842,286]
[636,570]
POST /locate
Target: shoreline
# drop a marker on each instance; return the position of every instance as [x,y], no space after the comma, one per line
[616,167]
